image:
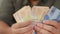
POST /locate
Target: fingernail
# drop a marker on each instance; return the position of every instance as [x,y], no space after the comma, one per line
[44,21]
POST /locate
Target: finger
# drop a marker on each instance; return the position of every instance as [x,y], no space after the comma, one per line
[47,27]
[37,29]
[52,23]
[29,32]
[38,33]
[21,25]
[23,30]
[45,31]
[42,31]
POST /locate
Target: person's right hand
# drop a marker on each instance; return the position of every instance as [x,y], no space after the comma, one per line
[22,28]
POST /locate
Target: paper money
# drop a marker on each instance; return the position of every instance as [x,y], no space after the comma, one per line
[39,12]
[53,14]
[23,14]
[27,13]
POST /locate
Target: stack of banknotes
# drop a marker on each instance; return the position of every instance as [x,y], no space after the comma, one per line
[26,13]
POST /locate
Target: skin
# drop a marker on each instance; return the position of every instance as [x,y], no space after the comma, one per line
[17,28]
[48,27]
[34,2]
[22,28]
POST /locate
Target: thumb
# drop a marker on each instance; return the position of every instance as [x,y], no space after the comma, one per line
[21,24]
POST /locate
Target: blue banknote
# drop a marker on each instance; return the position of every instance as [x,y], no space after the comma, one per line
[53,14]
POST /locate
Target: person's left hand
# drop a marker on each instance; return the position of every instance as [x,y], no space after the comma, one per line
[48,27]
[22,28]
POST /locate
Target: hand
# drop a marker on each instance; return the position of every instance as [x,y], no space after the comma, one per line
[4,28]
[22,28]
[48,27]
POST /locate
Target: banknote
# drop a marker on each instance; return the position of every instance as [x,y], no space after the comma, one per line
[35,13]
[39,12]
[53,14]
[22,15]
